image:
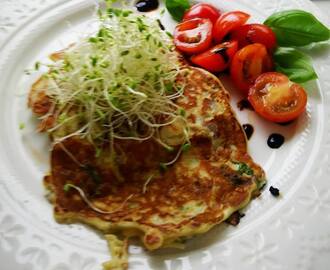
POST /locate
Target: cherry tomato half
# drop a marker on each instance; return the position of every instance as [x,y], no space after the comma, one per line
[227,22]
[193,36]
[217,58]
[202,10]
[276,98]
[248,63]
[254,33]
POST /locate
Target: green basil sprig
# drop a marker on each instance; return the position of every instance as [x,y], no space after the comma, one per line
[177,8]
[297,28]
[295,64]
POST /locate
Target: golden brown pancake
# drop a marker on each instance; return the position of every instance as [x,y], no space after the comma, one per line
[209,182]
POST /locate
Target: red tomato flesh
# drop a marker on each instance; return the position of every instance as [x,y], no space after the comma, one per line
[276,98]
[217,58]
[227,22]
[202,10]
[254,33]
[248,63]
[193,36]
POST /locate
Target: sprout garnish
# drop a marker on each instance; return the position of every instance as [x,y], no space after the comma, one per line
[67,187]
[118,84]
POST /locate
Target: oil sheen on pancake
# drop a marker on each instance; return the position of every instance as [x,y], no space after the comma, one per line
[161,206]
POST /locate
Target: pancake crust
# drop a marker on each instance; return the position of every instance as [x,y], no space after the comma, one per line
[208,183]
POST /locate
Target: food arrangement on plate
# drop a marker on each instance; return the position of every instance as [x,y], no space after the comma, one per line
[145,142]
[266,73]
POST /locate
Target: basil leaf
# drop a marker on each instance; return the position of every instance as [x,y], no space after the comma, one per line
[297,28]
[177,8]
[295,64]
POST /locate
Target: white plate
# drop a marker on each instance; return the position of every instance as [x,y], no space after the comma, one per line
[292,232]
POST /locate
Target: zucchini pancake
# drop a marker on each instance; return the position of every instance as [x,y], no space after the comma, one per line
[144,145]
